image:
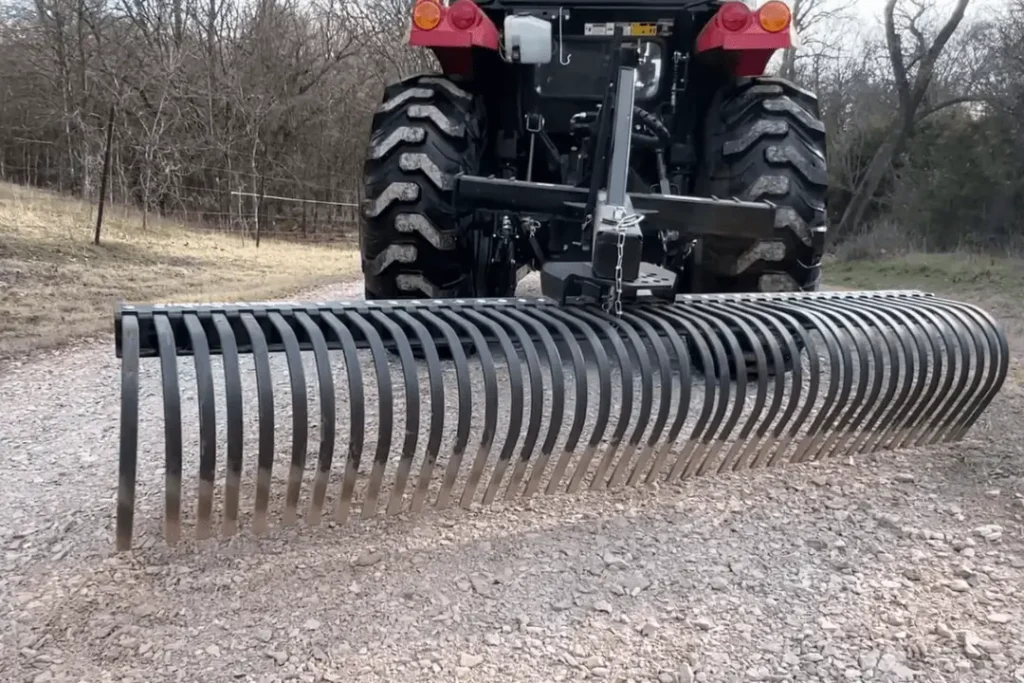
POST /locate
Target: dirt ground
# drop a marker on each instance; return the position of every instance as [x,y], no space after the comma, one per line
[905,566]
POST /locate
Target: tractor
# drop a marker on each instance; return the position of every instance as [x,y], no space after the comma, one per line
[623,149]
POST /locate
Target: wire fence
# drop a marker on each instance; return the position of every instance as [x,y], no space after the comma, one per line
[253,208]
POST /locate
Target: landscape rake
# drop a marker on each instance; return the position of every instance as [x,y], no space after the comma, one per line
[656,180]
[876,370]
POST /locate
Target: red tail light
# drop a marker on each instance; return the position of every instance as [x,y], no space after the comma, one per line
[464,14]
[734,16]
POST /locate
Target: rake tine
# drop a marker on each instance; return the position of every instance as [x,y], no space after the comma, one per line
[603,405]
[536,407]
[412,416]
[490,404]
[868,322]
[848,325]
[792,315]
[465,408]
[997,347]
[757,318]
[840,368]
[707,371]
[933,398]
[626,390]
[233,403]
[686,467]
[172,430]
[872,320]
[921,399]
[959,365]
[684,401]
[958,396]
[557,409]
[328,414]
[300,414]
[733,318]
[915,382]
[436,414]
[265,410]
[665,375]
[753,327]
[579,401]
[515,410]
[357,421]
[129,450]
[207,424]
[386,408]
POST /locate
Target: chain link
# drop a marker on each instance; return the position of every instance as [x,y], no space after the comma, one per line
[627,221]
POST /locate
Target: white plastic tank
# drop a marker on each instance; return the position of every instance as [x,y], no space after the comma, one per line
[527,39]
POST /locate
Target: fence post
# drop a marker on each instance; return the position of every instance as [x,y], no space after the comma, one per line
[106,174]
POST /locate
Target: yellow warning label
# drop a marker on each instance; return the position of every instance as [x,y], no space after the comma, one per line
[643,30]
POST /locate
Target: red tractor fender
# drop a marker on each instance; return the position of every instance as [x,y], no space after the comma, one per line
[451,31]
[748,38]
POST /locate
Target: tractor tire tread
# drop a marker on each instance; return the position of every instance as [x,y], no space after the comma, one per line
[765,141]
[412,242]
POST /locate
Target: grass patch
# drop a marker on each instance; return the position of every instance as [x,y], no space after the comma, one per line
[56,286]
[953,274]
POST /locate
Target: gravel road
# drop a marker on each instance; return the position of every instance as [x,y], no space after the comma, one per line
[895,567]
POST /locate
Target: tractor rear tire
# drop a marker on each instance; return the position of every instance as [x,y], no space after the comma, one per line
[764,140]
[412,241]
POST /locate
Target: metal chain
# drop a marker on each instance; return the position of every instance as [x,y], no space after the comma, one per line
[615,302]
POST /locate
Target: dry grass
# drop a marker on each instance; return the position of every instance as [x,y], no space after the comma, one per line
[56,286]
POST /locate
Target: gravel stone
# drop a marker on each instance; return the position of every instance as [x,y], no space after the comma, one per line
[882,567]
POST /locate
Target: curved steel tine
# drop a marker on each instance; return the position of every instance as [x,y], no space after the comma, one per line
[931,371]
[357,414]
[265,411]
[207,423]
[386,406]
[603,406]
[412,417]
[899,421]
[959,397]
[840,366]
[698,465]
[606,324]
[999,352]
[300,414]
[840,420]
[959,365]
[536,406]
[515,423]
[172,428]
[750,317]
[934,395]
[128,456]
[465,389]
[701,430]
[235,440]
[436,416]
[328,414]
[557,408]
[778,442]
[736,318]
[579,402]
[664,403]
[877,408]
[799,318]
[490,402]
[912,352]
[685,382]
